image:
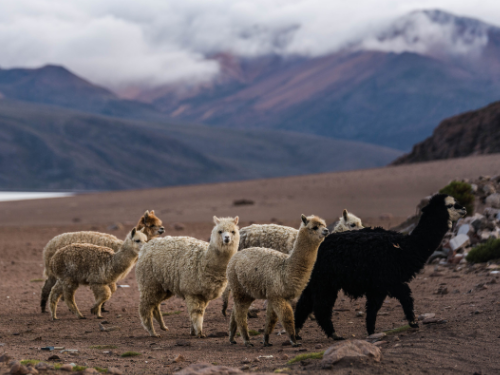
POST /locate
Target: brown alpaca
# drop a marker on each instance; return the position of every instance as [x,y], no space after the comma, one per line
[191,269]
[96,266]
[149,221]
[260,273]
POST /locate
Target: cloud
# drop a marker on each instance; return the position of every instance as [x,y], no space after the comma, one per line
[152,42]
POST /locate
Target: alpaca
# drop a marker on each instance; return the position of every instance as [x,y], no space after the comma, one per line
[260,273]
[374,263]
[149,221]
[98,266]
[191,269]
[281,238]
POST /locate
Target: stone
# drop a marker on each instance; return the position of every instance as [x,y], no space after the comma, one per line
[179,358]
[350,350]
[218,334]
[380,343]
[114,371]
[473,188]
[5,358]
[489,189]
[493,200]
[285,357]
[464,229]
[245,361]
[376,336]
[359,314]
[245,367]
[15,366]
[67,367]
[32,370]
[54,358]
[318,346]
[90,371]
[485,235]
[183,343]
[207,369]
[491,213]
[426,316]
[253,313]
[459,241]
[42,366]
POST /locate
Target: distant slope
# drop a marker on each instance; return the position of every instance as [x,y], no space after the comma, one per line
[58,86]
[471,133]
[366,93]
[46,147]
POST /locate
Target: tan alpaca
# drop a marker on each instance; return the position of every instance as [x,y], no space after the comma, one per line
[149,221]
[260,273]
[96,266]
[191,269]
[282,238]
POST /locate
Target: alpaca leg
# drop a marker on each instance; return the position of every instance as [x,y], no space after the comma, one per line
[285,315]
[302,311]
[402,293]
[271,319]
[225,299]
[233,327]
[158,315]
[113,288]
[69,290]
[151,297]
[54,297]
[47,287]
[323,312]
[374,302]
[102,293]
[240,310]
[196,308]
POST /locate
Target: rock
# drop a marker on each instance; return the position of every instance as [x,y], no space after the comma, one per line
[245,367]
[66,367]
[253,313]
[489,189]
[464,229]
[473,188]
[53,358]
[285,357]
[207,369]
[183,343]
[380,343]
[179,358]
[459,241]
[491,213]
[350,350]
[218,334]
[359,314]
[493,200]
[485,235]
[15,366]
[5,358]
[426,316]
[32,370]
[376,336]
[318,346]
[245,361]
[114,371]
[42,366]
[90,371]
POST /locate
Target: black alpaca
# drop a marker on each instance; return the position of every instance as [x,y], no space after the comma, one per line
[376,263]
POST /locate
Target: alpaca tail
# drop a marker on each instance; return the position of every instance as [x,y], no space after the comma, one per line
[225,300]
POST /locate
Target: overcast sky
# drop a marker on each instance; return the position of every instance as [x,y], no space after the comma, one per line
[149,42]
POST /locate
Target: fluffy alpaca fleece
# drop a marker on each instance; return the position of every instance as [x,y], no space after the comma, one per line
[96,266]
[191,269]
[282,238]
[374,263]
[260,273]
[149,221]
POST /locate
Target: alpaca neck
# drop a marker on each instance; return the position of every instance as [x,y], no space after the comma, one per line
[217,257]
[299,265]
[124,259]
[429,232]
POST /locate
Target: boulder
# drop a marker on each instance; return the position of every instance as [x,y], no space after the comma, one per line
[350,350]
[493,200]
[459,241]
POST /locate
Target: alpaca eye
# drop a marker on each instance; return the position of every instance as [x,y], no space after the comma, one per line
[353,225]
[138,241]
[315,228]
[220,232]
[450,206]
[233,232]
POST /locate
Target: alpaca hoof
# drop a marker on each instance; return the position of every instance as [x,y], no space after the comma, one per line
[99,317]
[104,310]
[154,335]
[82,317]
[296,344]
[266,343]
[297,337]
[232,342]
[248,344]
[202,335]
[413,324]
[164,328]
[337,337]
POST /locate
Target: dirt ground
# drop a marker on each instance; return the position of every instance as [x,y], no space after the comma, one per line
[467,343]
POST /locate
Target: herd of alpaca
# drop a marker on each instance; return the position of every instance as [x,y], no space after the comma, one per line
[270,262]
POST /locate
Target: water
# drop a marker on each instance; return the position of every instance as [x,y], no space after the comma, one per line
[19,196]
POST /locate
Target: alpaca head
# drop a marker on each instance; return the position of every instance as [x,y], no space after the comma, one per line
[226,232]
[135,239]
[350,221]
[447,206]
[315,227]
[151,224]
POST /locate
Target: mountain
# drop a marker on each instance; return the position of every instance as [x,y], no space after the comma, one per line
[390,88]
[471,133]
[48,147]
[58,86]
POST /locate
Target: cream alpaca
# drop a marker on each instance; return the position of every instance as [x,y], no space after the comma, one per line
[191,269]
[96,266]
[282,238]
[260,273]
[152,228]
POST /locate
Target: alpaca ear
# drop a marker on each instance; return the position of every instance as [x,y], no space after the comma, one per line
[142,230]
[304,219]
[216,220]
[145,217]
[132,234]
[152,212]
[236,220]
[344,214]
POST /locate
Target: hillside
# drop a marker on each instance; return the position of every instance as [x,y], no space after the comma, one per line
[46,147]
[471,133]
[390,88]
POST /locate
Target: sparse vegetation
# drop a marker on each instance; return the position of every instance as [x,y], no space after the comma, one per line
[130,354]
[31,362]
[301,357]
[79,368]
[101,369]
[167,313]
[103,347]
[397,330]
[37,280]
[462,192]
[483,253]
